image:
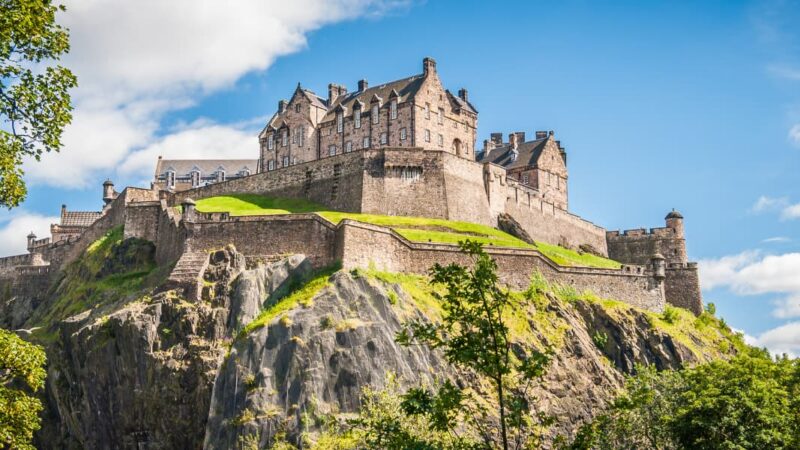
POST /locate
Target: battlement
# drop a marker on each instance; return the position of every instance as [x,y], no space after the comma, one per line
[640,232]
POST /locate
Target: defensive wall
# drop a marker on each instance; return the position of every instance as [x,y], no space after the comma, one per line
[417,183]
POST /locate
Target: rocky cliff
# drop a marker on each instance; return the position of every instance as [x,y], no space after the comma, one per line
[271,349]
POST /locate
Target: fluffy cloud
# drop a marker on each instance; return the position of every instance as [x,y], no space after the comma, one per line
[199,140]
[136,61]
[765,203]
[724,271]
[791,212]
[783,339]
[14,230]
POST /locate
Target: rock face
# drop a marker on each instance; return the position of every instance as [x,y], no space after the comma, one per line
[158,371]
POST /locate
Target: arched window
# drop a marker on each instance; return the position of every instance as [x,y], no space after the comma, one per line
[457,147]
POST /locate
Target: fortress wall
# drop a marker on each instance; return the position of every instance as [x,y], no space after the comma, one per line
[466,194]
[404,182]
[638,246]
[267,236]
[170,237]
[389,251]
[547,223]
[141,220]
[682,287]
[335,182]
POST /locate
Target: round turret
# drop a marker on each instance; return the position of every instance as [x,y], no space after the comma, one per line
[675,221]
[108,191]
[659,265]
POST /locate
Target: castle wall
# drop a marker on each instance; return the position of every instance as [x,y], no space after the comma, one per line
[267,236]
[389,251]
[639,245]
[465,192]
[171,236]
[682,287]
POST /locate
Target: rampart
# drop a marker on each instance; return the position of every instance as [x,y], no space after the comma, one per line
[639,245]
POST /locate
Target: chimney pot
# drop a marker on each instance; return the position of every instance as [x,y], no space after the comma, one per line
[463,94]
[428,66]
[541,134]
[497,138]
[362,85]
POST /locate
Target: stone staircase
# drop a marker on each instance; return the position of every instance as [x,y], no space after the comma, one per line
[188,273]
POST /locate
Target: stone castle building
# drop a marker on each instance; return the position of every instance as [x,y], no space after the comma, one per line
[404,148]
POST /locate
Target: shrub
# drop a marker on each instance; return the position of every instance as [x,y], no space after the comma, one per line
[670,314]
[600,339]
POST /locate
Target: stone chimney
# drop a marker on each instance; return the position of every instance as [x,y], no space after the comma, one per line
[497,138]
[486,146]
[282,106]
[520,136]
[463,95]
[428,66]
[512,141]
[335,91]
[541,135]
[362,85]
[108,191]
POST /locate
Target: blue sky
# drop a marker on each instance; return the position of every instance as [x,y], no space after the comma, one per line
[659,104]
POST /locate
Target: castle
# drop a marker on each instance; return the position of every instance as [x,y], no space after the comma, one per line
[403,148]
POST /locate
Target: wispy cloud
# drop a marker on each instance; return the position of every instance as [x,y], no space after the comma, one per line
[776,239]
[791,212]
[766,203]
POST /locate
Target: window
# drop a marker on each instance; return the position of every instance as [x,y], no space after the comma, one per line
[393,109]
[465,126]
[441,141]
[427,110]
[384,138]
[427,135]
[357,117]
[348,147]
[402,134]
[170,179]
[297,107]
[270,141]
[195,178]
[525,178]
[294,136]
[285,161]
[271,164]
[375,117]
[300,136]
[440,119]
[244,173]
[339,122]
[331,150]
[366,142]
[284,137]
[220,176]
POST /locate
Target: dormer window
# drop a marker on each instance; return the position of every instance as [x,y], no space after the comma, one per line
[220,175]
[393,109]
[170,178]
[357,117]
[339,121]
[244,172]
[195,176]
[375,117]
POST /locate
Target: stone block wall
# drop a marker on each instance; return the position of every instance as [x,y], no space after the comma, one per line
[389,251]
[639,245]
[682,287]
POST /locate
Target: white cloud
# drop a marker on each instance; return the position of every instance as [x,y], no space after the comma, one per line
[783,339]
[765,203]
[794,134]
[13,231]
[136,61]
[776,239]
[199,140]
[787,307]
[724,271]
[791,212]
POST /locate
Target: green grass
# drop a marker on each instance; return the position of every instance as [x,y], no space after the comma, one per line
[416,229]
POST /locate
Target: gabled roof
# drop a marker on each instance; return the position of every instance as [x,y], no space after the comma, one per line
[527,156]
[79,218]
[205,166]
[461,103]
[406,88]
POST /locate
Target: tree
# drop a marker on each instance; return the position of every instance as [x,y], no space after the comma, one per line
[473,335]
[748,402]
[34,99]
[21,374]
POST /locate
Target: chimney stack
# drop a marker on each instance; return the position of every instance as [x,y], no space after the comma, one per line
[335,91]
[486,147]
[520,137]
[497,138]
[362,85]
[428,66]
[512,140]
[282,106]
[463,95]
[541,135]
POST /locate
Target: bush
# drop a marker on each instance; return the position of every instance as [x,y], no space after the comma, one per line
[600,339]
[670,314]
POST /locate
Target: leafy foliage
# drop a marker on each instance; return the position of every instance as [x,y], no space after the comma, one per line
[473,335]
[21,374]
[34,103]
[748,402]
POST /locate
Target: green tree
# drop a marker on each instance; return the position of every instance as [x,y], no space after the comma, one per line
[34,98]
[473,335]
[21,374]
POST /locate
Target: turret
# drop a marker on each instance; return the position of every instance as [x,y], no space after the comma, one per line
[31,238]
[108,192]
[188,210]
[675,221]
[659,266]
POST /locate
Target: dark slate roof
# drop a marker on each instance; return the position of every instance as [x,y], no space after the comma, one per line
[461,103]
[528,156]
[206,166]
[406,88]
[79,218]
[674,215]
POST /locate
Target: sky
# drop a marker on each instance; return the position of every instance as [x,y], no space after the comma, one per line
[660,105]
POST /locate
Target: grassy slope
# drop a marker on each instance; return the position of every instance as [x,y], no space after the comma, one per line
[418,229]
